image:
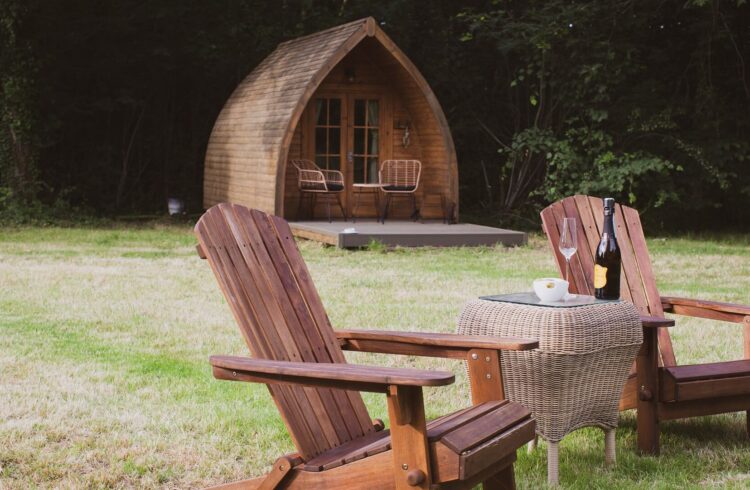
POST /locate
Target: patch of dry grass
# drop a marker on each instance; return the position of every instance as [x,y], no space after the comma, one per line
[104,380]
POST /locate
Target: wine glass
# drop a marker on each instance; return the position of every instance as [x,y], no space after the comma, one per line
[568,242]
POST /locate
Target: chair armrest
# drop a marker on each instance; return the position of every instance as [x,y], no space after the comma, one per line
[312,180]
[311,175]
[331,375]
[333,176]
[714,310]
[656,321]
[427,344]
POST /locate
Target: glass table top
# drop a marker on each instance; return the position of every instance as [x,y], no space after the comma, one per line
[529,298]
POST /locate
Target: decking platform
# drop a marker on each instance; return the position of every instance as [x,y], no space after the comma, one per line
[345,234]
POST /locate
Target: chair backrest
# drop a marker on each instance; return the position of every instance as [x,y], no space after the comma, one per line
[304,164]
[274,301]
[400,173]
[637,282]
[309,176]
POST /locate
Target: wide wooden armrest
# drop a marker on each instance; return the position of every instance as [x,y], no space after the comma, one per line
[441,339]
[426,343]
[656,321]
[706,309]
[345,376]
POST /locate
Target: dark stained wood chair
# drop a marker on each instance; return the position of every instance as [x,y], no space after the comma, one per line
[299,356]
[660,389]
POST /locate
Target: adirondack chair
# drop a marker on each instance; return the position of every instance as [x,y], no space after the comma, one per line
[299,356]
[660,388]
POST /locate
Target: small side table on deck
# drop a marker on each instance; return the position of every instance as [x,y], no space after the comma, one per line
[358,189]
[576,376]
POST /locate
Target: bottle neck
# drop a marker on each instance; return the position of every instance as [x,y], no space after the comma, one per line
[609,225]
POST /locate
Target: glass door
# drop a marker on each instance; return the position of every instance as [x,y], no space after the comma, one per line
[327,127]
[365,147]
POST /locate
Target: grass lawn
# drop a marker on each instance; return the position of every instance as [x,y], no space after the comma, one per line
[105,335]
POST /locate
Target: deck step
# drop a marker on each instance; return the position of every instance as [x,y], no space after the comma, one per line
[345,234]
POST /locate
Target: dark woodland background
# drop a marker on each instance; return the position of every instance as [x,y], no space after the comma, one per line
[106,105]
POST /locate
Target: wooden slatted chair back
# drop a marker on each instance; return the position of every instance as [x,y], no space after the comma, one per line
[274,301]
[637,282]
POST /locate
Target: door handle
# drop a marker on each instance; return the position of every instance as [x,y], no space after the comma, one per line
[350,157]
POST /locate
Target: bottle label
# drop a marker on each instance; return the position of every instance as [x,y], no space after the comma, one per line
[600,276]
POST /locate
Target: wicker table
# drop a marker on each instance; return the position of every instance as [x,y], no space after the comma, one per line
[575,378]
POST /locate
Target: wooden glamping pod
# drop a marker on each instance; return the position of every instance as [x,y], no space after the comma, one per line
[346,98]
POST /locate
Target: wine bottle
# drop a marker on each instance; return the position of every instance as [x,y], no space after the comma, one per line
[607,264]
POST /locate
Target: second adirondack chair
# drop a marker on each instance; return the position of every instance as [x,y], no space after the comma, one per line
[660,388]
[298,355]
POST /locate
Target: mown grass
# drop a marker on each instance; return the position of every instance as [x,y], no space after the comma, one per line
[105,334]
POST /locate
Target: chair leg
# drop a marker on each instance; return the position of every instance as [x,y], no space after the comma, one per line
[647,367]
[410,450]
[444,205]
[357,197]
[553,463]
[385,209]
[610,451]
[503,480]
[376,200]
[313,203]
[341,205]
[299,206]
[746,345]
[532,444]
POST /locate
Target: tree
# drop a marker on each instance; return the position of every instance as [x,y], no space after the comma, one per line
[18,116]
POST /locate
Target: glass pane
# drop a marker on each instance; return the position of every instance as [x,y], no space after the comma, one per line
[359,169]
[334,112]
[372,112]
[334,142]
[359,141]
[320,141]
[320,112]
[372,170]
[372,141]
[334,162]
[320,161]
[359,112]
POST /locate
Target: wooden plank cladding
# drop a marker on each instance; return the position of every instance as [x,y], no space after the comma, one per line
[375,106]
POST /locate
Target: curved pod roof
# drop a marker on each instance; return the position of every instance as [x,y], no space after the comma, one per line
[248,148]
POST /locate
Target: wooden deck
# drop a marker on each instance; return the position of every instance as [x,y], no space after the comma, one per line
[345,234]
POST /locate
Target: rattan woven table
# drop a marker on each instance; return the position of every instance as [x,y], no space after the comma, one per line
[575,378]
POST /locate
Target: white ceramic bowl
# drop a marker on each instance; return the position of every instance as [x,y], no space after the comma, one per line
[550,288]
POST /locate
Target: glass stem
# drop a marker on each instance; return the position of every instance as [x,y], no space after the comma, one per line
[567,269]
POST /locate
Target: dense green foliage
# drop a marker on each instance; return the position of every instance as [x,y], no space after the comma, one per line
[18,114]
[109,104]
